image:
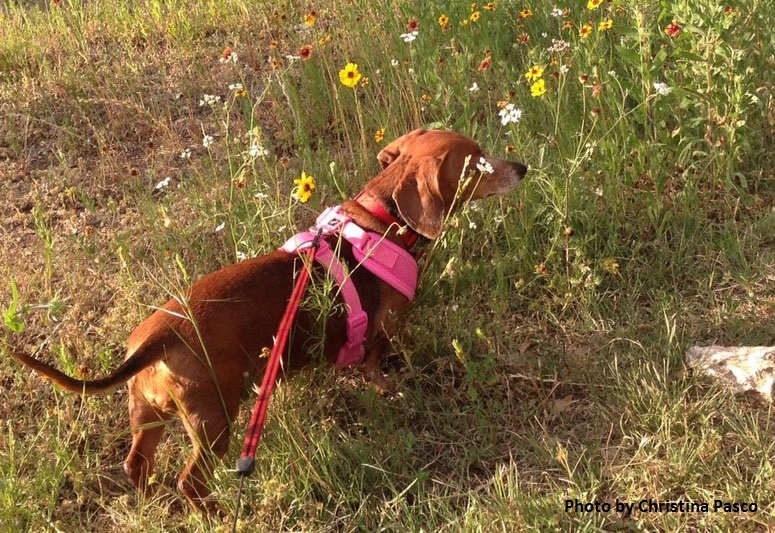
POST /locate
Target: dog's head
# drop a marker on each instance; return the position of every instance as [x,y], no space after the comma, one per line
[427,172]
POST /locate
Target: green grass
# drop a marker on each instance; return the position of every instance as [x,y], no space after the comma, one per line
[543,357]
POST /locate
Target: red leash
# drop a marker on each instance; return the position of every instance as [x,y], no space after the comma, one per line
[246,463]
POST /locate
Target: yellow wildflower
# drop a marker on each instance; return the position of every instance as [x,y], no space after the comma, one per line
[534,73]
[538,88]
[305,186]
[349,75]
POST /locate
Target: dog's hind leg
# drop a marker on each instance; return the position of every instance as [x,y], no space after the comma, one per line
[193,481]
[148,424]
[208,425]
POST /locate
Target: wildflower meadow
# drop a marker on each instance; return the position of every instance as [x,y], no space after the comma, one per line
[541,382]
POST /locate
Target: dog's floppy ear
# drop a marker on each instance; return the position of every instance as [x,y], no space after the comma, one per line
[419,199]
[393,150]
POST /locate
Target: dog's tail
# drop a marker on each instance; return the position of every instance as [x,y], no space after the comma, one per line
[146,354]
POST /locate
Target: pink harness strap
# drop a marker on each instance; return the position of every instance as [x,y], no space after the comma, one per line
[382,257]
[353,349]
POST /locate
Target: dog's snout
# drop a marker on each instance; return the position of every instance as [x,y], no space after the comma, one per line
[520,169]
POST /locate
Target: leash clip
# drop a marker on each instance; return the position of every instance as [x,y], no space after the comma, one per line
[316,240]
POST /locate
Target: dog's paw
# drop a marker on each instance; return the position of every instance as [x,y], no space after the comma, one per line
[381,382]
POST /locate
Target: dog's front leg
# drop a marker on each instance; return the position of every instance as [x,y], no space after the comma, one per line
[386,320]
[371,365]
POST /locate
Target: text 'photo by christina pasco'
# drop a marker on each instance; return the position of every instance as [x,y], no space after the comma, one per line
[655,506]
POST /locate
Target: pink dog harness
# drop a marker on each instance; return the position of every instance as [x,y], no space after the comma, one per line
[385,259]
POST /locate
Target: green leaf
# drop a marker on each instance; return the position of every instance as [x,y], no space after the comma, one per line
[11,316]
[629,56]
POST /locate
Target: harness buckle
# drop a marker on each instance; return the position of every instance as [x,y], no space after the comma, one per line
[355,347]
[330,221]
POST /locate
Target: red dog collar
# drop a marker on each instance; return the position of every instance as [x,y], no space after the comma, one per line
[371,204]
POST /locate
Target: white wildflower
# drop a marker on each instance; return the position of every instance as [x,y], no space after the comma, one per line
[510,114]
[394,62]
[163,183]
[235,87]
[472,225]
[256,150]
[474,88]
[185,154]
[209,99]
[663,89]
[220,227]
[558,46]
[207,141]
[556,12]
[564,69]
[484,166]
[409,37]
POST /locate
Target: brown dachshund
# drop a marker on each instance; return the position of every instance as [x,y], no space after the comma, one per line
[191,357]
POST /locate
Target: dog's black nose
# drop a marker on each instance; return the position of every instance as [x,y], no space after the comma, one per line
[520,169]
